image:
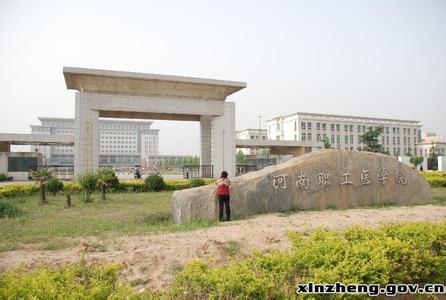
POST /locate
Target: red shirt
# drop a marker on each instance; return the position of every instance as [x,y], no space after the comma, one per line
[222,189]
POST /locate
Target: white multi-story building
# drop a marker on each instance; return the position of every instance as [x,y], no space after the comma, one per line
[431,140]
[398,138]
[251,134]
[122,143]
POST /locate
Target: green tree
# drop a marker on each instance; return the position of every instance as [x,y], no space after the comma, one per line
[239,157]
[326,141]
[106,177]
[370,139]
[416,160]
[432,158]
[88,182]
[41,176]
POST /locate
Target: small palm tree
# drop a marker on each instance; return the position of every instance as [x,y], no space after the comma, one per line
[41,176]
[105,180]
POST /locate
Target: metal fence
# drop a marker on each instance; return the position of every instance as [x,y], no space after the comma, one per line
[198,171]
[61,172]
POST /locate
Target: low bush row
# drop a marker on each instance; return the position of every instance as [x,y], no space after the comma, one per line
[435,179]
[137,185]
[396,253]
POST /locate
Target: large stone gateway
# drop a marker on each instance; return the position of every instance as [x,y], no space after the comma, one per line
[317,180]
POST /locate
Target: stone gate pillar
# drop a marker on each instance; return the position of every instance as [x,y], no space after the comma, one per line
[86,136]
[205,140]
[223,141]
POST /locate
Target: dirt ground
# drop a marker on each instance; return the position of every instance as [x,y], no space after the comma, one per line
[153,260]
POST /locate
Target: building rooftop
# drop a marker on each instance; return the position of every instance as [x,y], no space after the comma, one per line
[342,117]
[102,120]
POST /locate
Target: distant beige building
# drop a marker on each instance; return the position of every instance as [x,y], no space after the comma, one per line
[399,136]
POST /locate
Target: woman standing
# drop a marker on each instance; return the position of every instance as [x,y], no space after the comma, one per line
[223,193]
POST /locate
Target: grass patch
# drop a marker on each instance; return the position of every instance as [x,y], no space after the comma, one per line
[232,248]
[439,196]
[121,214]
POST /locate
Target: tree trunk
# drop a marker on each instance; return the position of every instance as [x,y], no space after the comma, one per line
[104,190]
[68,200]
[87,196]
[42,193]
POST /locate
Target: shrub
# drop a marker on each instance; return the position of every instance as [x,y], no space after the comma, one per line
[74,281]
[54,186]
[197,182]
[396,253]
[88,182]
[18,190]
[132,186]
[3,177]
[154,183]
[435,179]
[8,209]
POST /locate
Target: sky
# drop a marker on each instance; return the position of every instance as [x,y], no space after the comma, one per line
[374,58]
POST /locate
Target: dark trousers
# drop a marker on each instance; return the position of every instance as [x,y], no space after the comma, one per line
[224,200]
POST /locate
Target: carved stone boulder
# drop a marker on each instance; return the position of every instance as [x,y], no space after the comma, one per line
[317,180]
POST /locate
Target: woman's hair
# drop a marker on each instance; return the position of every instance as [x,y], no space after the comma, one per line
[224,174]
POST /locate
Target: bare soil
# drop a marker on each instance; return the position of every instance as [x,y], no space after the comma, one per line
[153,260]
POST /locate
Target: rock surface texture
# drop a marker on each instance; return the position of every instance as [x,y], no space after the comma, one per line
[317,180]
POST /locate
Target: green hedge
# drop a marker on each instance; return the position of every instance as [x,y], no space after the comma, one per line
[435,179]
[402,253]
[394,253]
[137,185]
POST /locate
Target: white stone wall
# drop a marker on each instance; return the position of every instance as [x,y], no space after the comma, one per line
[442,163]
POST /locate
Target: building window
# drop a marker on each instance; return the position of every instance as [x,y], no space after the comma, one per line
[404,140]
[332,139]
[346,139]
[252,137]
[310,137]
[303,137]
[302,125]
[404,130]
[363,128]
[277,137]
[338,139]
[318,137]
[332,127]
[338,127]
[351,139]
[358,128]
[398,140]
[394,131]
[393,140]
[295,125]
[351,127]
[324,126]
[387,140]
[398,132]
[318,126]
[309,125]
[415,131]
[277,126]
[345,127]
